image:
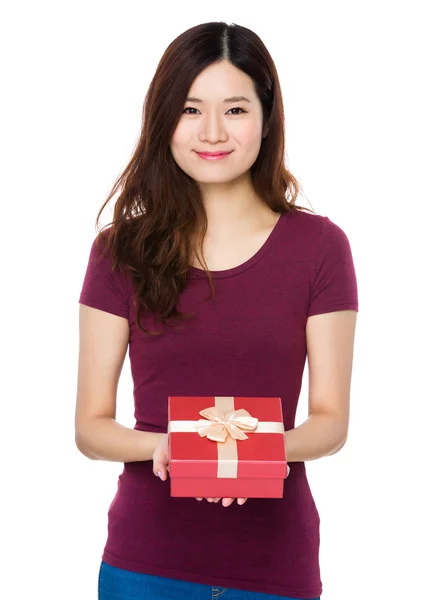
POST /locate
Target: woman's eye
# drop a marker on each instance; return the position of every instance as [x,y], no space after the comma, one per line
[192,108]
[238,108]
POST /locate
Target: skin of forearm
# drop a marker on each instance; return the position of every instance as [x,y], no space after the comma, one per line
[321,434]
[103,438]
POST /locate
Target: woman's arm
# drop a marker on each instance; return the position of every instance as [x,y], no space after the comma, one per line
[103,438]
[319,435]
[330,344]
[103,345]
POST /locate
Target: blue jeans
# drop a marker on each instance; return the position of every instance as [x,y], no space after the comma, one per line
[119,584]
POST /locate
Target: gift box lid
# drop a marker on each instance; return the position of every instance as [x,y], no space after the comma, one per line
[262,455]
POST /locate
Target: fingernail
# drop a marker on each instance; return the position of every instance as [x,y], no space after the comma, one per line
[159,474]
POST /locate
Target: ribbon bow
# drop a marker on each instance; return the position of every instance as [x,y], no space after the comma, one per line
[219,425]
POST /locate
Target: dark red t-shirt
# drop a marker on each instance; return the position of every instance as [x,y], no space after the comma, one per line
[248,341]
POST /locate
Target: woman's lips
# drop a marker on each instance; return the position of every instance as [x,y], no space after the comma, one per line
[213,155]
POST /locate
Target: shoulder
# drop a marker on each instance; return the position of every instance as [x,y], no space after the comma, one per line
[303,228]
[103,240]
[305,219]
[315,227]
[101,260]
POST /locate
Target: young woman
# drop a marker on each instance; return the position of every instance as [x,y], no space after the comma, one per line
[219,284]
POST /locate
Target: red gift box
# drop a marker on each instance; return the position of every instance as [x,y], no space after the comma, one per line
[226,447]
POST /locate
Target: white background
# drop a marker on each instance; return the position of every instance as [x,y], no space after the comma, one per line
[353,79]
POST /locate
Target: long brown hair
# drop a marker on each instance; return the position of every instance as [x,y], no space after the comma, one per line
[159,209]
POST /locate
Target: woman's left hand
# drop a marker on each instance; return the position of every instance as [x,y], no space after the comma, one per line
[240,501]
[225,501]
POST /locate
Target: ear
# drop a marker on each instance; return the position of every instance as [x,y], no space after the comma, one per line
[265,131]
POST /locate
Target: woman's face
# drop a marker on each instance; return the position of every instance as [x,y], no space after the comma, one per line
[209,123]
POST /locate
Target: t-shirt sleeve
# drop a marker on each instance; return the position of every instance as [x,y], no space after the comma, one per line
[333,284]
[104,288]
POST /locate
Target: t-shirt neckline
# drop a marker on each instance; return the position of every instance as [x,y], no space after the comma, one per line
[196,272]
